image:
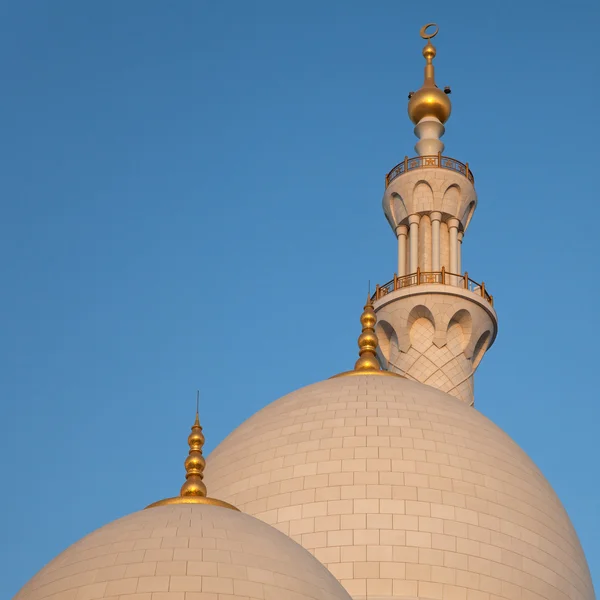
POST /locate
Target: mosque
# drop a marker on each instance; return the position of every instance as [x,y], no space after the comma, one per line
[381,482]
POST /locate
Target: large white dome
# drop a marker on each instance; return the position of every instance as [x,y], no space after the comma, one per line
[184,551]
[403,491]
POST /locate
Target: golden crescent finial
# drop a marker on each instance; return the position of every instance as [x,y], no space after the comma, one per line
[429,100]
[428,36]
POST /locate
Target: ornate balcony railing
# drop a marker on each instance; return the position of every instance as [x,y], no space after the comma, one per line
[441,277]
[427,162]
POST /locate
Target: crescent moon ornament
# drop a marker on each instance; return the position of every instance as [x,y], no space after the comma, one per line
[428,36]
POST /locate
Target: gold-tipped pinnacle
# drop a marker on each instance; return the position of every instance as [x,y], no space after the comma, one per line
[429,101]
[193,491]
[367,363]
[367,341]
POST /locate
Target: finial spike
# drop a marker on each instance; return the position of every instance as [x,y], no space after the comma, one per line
[193,490]
[195,463]
[367,341]
[429,53]
[368,362]
[429,101]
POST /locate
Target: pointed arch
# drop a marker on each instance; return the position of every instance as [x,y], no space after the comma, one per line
[419,330]
[481,347]
[451,200]
[388,340]
[468,214]
[459,331]
[397,209]
[422,197]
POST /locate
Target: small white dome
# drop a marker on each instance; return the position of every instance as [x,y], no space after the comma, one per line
[197,552]
[403,490]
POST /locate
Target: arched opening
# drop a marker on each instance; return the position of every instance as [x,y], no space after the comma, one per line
[480,348]
[468,214]
[422,193]
[421,328]
[451,200]
[388,340]
[397,209]
[459,331]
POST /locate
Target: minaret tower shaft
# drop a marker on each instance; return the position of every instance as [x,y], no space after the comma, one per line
[434,322]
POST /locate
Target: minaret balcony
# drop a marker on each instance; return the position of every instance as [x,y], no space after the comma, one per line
[442,277]
[436,161]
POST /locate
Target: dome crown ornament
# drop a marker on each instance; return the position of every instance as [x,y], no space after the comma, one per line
[193,491]
[429,100]
[195,463]
[367,341]
[367,363]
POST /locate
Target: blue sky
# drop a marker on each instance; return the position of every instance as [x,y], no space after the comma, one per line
[191,198]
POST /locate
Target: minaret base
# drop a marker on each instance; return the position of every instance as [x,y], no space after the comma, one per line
[435,334]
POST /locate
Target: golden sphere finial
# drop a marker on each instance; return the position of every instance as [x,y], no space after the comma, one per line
[429,52]
[367,341]
[368,363]
[195,463]
[193,491]
[429,101]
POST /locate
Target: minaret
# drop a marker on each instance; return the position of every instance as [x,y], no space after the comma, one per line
[434,322]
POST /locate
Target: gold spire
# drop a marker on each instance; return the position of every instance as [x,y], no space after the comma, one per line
[193,491]
[367,341]
[195,463]
[367,363]
[429,101]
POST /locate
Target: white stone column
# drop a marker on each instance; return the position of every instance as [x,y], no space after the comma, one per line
[444,246]
[436,218]
[425,243]
[413,222]
[453,231]
[402,233]
[459,252]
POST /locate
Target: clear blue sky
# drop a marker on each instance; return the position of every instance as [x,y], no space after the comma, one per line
[191,198]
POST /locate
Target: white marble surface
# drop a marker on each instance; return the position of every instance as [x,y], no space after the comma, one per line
[184,552]
[402,490]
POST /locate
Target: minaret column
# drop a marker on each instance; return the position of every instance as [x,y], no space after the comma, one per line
[402,233]
[429,130]
[459,252]
[425,243]
[436,218]
[413,222]
[453,231]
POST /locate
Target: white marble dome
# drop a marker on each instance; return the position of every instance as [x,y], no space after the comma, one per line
[403,491]
[184,552]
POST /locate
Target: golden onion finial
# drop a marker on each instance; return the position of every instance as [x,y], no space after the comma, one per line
[193,491]
[429,101]
[367,341]
[368,363]
[195,463]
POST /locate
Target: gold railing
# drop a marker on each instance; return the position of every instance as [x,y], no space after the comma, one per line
[427,162]
[441,277]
